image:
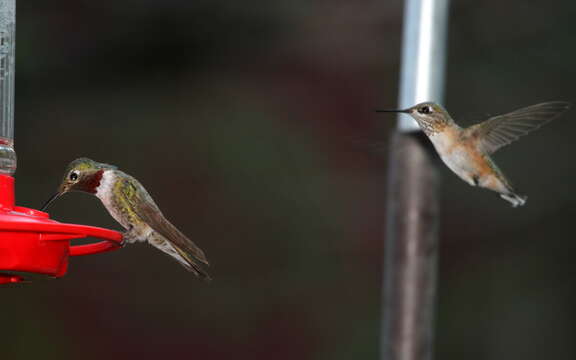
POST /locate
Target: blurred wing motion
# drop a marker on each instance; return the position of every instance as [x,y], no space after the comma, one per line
[501,130]
[148,211]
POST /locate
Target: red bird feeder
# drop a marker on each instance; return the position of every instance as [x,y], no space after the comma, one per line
[30,242]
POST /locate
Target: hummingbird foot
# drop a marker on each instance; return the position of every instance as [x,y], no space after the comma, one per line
[129,236]
[476,180]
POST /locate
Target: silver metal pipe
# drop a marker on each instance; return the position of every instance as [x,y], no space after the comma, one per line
[423,56]
[411,245]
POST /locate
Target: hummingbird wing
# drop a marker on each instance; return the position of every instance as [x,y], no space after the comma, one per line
[501,130]
[145,208]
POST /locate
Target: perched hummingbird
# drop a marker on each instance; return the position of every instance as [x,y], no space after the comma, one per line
[466,151]
[131,205]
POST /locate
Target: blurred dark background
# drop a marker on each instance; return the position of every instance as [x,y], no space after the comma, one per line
[252,125]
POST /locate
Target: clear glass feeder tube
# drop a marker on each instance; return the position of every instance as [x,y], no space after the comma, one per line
[7,52]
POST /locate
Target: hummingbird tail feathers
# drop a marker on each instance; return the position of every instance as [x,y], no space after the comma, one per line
[515,199]
[188,260]
[190,263]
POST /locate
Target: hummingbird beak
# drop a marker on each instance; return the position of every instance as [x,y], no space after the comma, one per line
[406,111]
[52,198]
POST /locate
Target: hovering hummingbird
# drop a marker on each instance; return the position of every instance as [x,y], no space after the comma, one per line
[131,205]
[466,151]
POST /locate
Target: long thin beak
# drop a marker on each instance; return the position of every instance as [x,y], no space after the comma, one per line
[52,198]
[394,111]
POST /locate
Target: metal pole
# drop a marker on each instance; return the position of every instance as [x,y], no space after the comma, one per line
[423,56]
[412,217]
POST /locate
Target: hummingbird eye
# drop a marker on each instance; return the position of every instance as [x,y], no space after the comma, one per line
[74,175]
[425,110]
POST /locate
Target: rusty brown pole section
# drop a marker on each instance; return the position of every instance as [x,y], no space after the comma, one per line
[411,251]
[411,244]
